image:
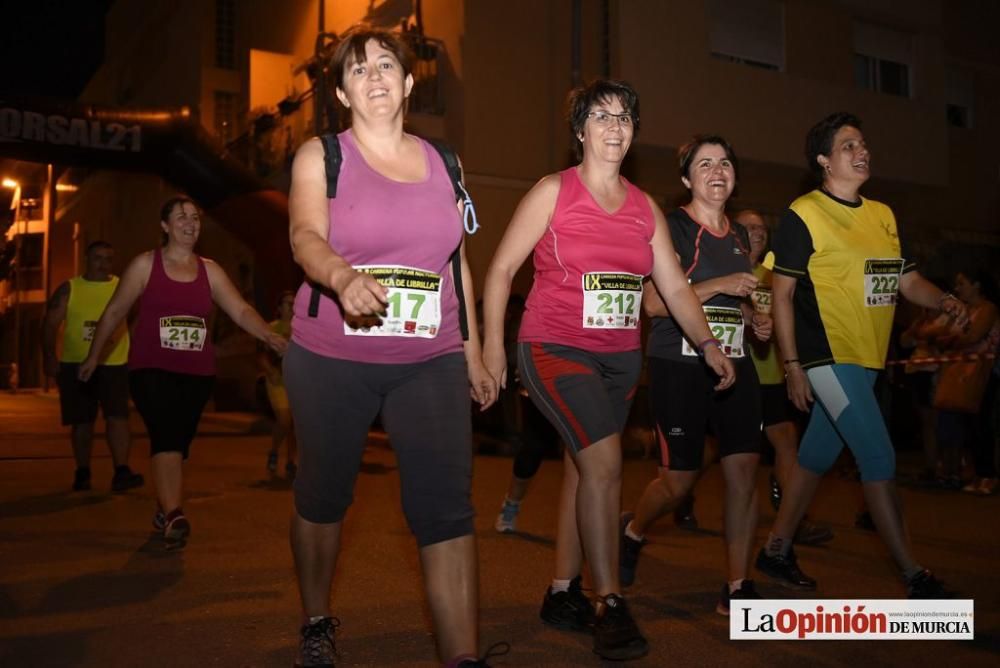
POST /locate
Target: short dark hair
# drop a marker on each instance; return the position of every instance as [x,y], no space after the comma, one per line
[581,99]
[168,207]
[987,283]
[686,153]
[819,140]
[98,244]
[351,49]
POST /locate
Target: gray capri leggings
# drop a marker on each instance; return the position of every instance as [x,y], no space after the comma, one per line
[425,409]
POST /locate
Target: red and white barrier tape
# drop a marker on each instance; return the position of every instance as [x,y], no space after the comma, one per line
[968,357]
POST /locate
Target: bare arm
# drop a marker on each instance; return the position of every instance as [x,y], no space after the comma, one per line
[482,384]
[55,314]
[526,227]
[739,285]
[130,286]
[225,294]
[783,312]
[681,300]
[309,218]
[922,292]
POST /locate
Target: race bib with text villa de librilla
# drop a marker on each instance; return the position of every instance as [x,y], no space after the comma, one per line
[882,281]
[611,300]
[726,324]
[413,308]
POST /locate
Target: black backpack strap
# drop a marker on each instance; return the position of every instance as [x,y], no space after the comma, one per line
[332,158]
[451,164]
[455,172]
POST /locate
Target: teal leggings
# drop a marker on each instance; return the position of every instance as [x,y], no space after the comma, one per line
[846,413]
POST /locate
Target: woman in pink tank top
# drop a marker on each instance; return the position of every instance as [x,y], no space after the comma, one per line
[595,238]
[383,339]
[171,361]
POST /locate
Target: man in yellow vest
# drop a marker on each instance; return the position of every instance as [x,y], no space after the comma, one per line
[79,302]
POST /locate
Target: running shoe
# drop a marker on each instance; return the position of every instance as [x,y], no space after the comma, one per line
[507,519]
[159,520]
[784,570]
[925,585]
[496,649]
[81,480]
[125,479]
[272,461]
[988,486]
[684,514]
[745,592]
[628,557]
[810,533]
[317,648]
[864,521]
[775,494]
[568,610]
[616,636]
[176,531]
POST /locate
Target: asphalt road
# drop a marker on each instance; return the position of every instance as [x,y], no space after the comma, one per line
[84,583]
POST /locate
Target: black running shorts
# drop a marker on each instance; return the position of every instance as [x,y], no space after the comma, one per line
[685,407]
[107,388]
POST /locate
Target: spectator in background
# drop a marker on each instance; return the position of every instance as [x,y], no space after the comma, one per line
[968,387]
[270,365]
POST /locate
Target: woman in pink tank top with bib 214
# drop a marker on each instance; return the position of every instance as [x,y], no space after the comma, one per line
[171,361]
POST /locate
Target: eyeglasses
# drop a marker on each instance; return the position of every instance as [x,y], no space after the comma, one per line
[604,118]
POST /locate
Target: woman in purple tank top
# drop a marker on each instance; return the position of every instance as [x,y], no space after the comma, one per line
[383,339]
[171,362]
[594,237]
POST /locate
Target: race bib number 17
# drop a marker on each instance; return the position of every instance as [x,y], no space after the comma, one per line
[611,300]
[414,304]
[882,281]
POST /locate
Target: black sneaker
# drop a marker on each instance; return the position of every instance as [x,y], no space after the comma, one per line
[775,494]
[81,480]
[684,514]
[125,479]
[745,592]
[784,570]
[628,556]
[616,636]
[809,533]
[176,531]
[864,521]
[317,648]
[496,649]
[568,610]
[925,585]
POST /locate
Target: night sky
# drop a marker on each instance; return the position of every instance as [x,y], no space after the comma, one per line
[50,48]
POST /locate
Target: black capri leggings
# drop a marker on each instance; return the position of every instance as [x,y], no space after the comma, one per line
[170,405]
[425,408]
